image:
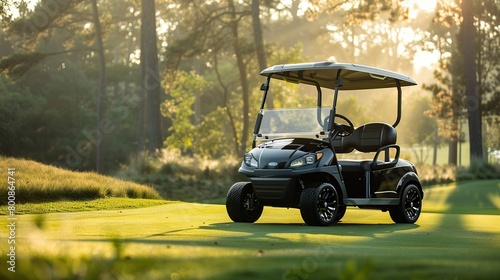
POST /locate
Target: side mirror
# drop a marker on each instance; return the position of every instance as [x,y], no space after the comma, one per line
[264,87]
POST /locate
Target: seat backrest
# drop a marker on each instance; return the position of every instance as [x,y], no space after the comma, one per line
[367,138]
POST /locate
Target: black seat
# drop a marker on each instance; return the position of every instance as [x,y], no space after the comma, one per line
[366,138]
[371,137]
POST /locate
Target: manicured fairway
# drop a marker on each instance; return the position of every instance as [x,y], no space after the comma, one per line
[195,241]
[457,237]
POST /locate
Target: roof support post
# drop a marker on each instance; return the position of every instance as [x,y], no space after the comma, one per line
[400,98]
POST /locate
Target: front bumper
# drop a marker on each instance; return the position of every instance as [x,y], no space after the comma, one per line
[282,187]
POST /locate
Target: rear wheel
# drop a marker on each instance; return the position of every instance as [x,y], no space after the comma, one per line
[340,213]
[409,208]
[319,204]
[241,203]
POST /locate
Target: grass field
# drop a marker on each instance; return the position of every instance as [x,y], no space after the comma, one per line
[457,237]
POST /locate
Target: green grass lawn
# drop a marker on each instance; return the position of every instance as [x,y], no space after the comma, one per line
[457,237]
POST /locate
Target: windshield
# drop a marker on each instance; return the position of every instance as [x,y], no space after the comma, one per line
[302,122]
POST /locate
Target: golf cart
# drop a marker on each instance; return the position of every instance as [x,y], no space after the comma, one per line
[294,161]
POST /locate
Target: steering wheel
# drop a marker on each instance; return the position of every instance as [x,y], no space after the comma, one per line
[343,130]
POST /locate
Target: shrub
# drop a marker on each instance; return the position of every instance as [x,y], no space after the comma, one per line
[430,175]
[478,170]
[178,177]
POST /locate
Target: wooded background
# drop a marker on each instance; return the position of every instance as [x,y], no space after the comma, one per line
[88,84]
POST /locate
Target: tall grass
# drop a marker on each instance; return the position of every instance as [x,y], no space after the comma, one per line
[36,182]
[185,178]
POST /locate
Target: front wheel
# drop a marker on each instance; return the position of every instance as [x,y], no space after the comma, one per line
[319,205]
[241,203]
[409,208]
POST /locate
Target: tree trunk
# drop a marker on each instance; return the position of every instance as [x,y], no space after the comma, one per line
[452,151]
[259,44]
[243,77]
[453,142]
[151,82]
[435,143]
[473,102]
[100,90]
[257,35]
[142,98]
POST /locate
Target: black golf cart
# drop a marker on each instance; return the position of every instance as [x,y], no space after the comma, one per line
[295,163]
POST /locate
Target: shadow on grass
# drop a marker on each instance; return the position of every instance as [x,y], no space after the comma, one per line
[259,230]
[475,197]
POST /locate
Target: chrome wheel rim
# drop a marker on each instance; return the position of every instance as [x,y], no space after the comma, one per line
[327,204]
[412,204]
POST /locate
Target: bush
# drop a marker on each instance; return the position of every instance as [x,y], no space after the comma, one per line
[478,170]
[178,177]
[430,175]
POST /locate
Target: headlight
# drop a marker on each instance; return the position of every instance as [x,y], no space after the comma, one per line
[249,160]
[306,160]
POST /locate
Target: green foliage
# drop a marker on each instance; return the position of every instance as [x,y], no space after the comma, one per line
[417,127]
[49,108]
[180,109]
[478,170]
[351,108]
[18,109]
[18,64]
[36,182]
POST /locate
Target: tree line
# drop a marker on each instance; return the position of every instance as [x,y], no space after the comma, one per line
[85,85]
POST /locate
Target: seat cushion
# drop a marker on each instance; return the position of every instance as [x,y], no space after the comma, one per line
[372,136]
[355,165]
[366,138]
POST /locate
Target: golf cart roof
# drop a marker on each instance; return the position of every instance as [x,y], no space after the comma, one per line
[325,74]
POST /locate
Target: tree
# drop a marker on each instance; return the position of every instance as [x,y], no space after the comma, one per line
[473,98]
[419,129]
[57,40]
[46,16]
[102,85]
[259,42]
[237,48]
[4,16]
[448,35]
[364,27]
[257,35]
[151,77]
[184,133]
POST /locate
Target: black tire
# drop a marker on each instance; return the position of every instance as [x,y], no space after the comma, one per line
[319,204]
[241,203]
[340,213]
[408,211]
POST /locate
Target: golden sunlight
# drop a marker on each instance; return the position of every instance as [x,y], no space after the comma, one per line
[417,6]
[425,5]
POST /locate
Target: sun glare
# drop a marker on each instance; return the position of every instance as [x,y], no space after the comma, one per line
[425,59]
[425,5]
[418,6]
